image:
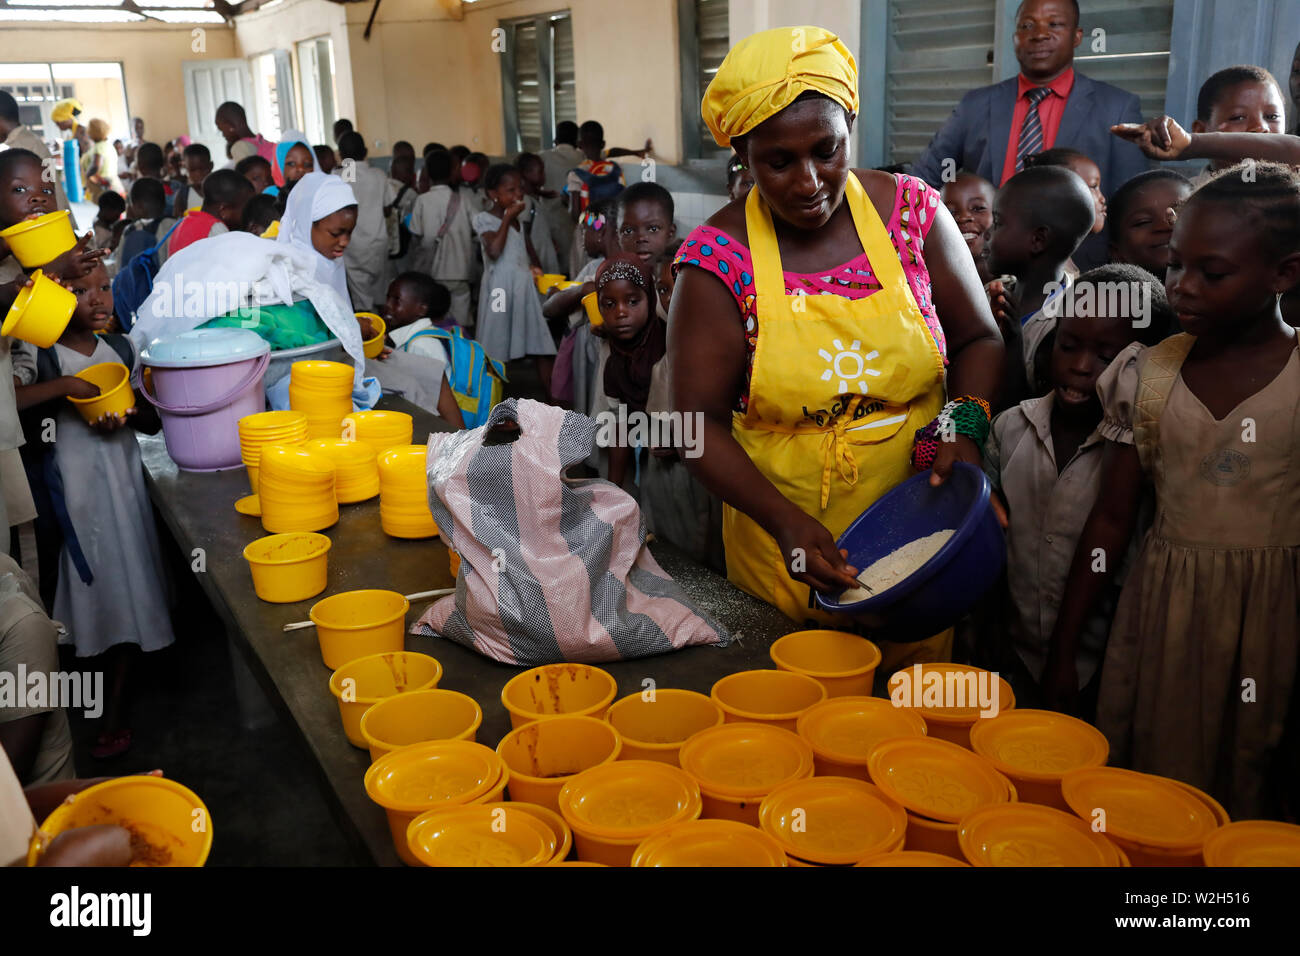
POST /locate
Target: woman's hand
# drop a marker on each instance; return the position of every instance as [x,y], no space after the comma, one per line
[811,556]
[78,261]
[79,388]
[1159,138]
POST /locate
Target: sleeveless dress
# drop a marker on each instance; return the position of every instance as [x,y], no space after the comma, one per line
[1199,674]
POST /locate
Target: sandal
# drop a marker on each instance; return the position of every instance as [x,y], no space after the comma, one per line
[111,745]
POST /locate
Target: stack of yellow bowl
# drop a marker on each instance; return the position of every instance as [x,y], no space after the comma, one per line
[1254,843]
[379,429]
[268,428]
[832,821]
[937,783]
[441,773]
[1155,821]
[356,467]
[1026,834]
[323,391]
[709,843]
[500,835]
[365,681]
[296,490]
[843,731]
[404,493]
[1036,748]
[614,807]
[951,697]
[737,765]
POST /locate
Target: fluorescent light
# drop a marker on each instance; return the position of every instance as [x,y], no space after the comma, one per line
[86,71]
[70,16]
[186,16]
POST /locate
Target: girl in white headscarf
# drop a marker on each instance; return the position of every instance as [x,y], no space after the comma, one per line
[236,270]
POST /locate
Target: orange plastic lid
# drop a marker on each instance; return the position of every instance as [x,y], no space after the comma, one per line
[710,843]
[847,729]
[937,689]
[1139,807]
[832,820]
[480,836]
[934,778]
[1026,834]
[629,799]
[917,858]
[745,759]
[1254,843]
[413,778]
[1038,744]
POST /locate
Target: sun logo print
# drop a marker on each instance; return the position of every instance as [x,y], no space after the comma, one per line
[849,366]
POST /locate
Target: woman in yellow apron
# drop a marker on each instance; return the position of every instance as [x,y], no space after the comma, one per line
[837,385]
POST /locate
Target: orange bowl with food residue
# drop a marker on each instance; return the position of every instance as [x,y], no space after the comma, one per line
[552,689]
[359,684]
[544,755]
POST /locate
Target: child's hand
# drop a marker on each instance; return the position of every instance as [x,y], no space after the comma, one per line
[77,261]
[536,270]
[79,388]
[367,327]
[112,422]
[386,351]
[515,208]
[1158,138]
[98,845]
[588,288]
[1001,304]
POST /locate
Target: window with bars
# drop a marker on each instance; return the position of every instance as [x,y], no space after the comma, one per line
[705,38]
[1135,55]
[539,82]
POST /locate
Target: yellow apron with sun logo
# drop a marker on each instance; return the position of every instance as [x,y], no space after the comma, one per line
[838,389]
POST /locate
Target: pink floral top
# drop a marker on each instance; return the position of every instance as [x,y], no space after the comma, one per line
[915,206]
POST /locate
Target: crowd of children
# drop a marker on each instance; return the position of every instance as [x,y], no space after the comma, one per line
[1152,543]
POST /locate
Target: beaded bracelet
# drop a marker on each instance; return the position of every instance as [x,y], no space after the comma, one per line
[968,415]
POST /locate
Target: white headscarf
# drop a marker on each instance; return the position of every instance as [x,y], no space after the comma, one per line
[264,271]
[312,198]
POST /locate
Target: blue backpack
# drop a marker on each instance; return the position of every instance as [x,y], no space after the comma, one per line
[477,379]
[134,280]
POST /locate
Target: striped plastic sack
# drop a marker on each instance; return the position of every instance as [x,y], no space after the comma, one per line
[552,569]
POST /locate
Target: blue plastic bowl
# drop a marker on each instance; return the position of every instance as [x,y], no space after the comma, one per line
[938,593]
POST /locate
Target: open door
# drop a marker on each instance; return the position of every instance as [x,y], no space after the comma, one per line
[208,84]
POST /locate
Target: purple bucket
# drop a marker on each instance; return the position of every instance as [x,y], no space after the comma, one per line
[203,383]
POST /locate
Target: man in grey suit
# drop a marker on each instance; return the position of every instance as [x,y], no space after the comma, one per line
[1048,105]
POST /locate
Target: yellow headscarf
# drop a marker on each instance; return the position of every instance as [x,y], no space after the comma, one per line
[65,110]
[764,73]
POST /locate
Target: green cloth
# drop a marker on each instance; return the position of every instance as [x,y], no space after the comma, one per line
[284,326]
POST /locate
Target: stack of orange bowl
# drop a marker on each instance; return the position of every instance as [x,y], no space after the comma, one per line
[655,724]
[500,835]
[431,714]
[1155,821]
[563,835]
[322,391]
[843,663]
[404,493]
[551,689]
[295,490]
[737,765]
[268,428]
[1026,834]
[832,821]
[380,430]
[356,468]
[427,776]
[614,807]
[937,783]
[766,697]
[951,697]
[709,843]
[1254,843]
[544,755]
[843,731]
[1036,748]
[365,681]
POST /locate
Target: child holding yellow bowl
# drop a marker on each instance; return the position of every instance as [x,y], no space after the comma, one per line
[414,307]
[89,478]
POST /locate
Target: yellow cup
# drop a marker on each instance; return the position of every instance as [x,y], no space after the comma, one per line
[412,718]
[115,397]
[359,623]
[169,824]
[289,567]
[843,663]
[367,680]
[374,346]
[768,697]
[558,689]
[36,242]
[548,281]
[590,302]
[656,729]
[40,312]
[544,755]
